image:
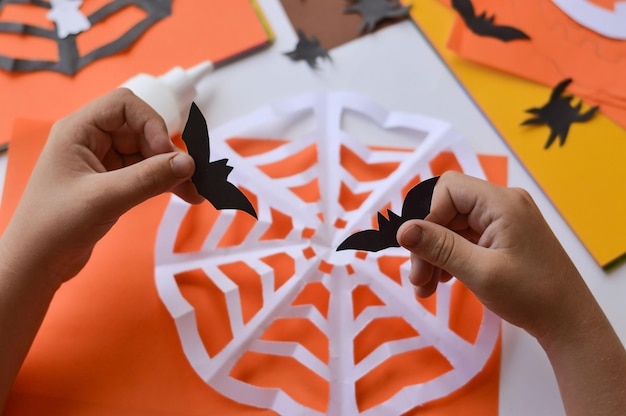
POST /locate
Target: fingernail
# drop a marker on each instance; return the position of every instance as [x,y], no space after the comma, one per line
[182,165]
[412,236]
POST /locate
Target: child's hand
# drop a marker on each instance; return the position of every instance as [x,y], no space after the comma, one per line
[495,240]
[98,163]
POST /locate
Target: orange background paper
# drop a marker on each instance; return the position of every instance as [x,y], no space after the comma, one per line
[108,346]
[195,31]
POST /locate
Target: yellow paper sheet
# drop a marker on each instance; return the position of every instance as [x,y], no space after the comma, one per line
[585,179]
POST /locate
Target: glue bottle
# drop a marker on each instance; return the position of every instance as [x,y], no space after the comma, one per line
[170,94]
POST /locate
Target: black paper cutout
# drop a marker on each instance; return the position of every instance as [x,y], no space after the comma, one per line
[416,205]
[375,11]
[69,60]
[559,114]
[211,178]
[482,25]
[308,50]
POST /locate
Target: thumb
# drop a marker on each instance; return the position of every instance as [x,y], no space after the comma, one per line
[133,184]
[443,248]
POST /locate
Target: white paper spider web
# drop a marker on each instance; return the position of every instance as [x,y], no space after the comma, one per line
[326,111]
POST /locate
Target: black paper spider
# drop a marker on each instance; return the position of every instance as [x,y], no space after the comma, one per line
[70,60]
[308,50]
[559,114]
[375,11]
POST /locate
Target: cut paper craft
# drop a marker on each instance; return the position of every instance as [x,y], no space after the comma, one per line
[375,11]
[607,22]
[482,25]
[342,333]
[69,59]
[559,114]
[122,336]
[560,49]
[416,206]
[226,30]
[211,178]
[67,17]
[308,50]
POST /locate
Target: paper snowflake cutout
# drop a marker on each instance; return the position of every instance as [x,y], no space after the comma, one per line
[233,290]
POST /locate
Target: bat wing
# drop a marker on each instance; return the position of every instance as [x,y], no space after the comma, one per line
[465,9]
[196,136]
[417,201]
[375,240]
[224,195]
[368,240]
[506,33]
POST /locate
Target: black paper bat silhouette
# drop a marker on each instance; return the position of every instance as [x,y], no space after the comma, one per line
[375,11]
[308,50]
[416,205]
[559,114]
[485,26]
[210,178]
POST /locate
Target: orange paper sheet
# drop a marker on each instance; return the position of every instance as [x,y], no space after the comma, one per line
[584,179]
[108,346]
[559,48]
[194,32]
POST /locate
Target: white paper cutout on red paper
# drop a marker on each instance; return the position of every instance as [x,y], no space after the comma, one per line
[325,111]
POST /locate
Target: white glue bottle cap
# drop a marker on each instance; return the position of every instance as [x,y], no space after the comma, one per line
[170,94]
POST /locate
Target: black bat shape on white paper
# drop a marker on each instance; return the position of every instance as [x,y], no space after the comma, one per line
[211,178]
[485,26]
[416,205]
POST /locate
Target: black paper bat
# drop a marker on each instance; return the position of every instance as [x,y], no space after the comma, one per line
[485,26]
[416,205]
[559,114]
[375,11]
[308,50]
[211,178]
